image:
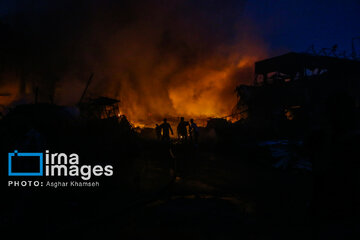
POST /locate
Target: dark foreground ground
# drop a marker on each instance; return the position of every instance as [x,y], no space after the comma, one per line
[232,188]
[197,194]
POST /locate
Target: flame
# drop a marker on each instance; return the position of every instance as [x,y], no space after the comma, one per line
[160,59]
[202,97]
[9,91]
[201,92]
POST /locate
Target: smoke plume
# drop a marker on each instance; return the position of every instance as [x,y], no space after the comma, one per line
[160,58]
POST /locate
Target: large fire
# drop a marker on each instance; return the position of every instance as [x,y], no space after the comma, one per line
[205,90]
[159,58]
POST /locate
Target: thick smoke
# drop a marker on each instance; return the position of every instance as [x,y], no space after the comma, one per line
[160,58]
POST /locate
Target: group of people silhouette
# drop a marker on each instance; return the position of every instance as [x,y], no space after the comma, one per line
[184,130]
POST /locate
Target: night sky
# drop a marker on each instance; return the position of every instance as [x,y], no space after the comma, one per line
[295,25]
[284,25]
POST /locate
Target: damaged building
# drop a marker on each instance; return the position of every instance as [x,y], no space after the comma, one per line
[301,89]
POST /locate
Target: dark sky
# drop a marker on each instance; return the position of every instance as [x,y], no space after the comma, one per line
[295,25]
[286,25]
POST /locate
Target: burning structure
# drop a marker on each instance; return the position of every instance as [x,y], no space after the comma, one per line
[146,54]
[301,88]
[100,108]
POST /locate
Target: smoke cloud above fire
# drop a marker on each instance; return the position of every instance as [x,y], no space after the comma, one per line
[159,58]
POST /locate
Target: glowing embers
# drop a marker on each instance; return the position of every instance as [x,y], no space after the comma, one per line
[290,113]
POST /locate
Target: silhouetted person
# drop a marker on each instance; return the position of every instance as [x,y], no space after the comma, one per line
[194,131]
[166,128]
[181,129]
[158,132]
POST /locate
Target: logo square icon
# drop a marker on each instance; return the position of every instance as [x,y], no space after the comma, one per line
[25,164]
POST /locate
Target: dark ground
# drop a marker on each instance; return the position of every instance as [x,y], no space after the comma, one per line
[228,189]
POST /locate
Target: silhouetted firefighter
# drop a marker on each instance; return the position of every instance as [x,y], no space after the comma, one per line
[181,129]
[166,128]
[158,132]
[194,131]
